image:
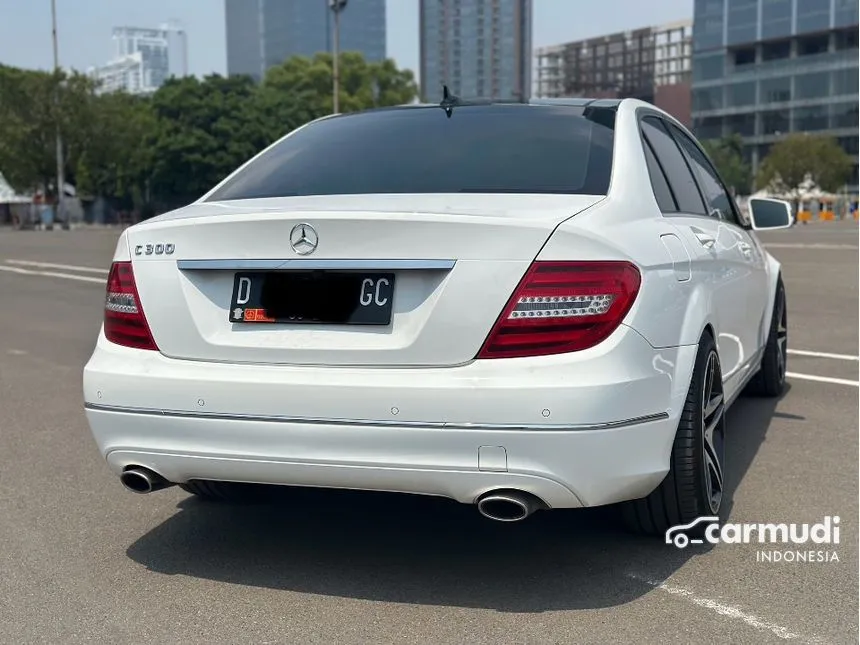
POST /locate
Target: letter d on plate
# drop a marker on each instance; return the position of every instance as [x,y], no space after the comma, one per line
[244,292]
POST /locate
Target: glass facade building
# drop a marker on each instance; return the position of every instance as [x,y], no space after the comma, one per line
[478,48]
[766,68]
[264,33]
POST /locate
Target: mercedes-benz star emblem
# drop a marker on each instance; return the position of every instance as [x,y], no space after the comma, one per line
[304,239]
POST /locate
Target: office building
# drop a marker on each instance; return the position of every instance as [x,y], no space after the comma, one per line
[478,48]
[766,68]
[143,59]
[124,74]
[264,33]
[651,64]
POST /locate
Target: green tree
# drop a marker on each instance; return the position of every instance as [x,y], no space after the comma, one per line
[203,130]
[727,155]
[32,105]
[27,127]
[116,158]
[798,155]
[300,89]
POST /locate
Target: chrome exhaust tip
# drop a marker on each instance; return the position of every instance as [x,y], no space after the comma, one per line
[509,505]
[143,480]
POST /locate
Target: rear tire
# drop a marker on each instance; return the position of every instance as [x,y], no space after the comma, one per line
[215,491]
[694,485]
[769,381]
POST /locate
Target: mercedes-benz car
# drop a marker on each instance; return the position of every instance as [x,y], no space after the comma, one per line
[520,306]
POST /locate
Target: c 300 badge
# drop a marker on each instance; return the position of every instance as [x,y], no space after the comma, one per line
[154,249]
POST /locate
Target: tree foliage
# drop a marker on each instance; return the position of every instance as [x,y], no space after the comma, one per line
[727,155]
[176,144]
[799,155]
[116,159]
[203,131]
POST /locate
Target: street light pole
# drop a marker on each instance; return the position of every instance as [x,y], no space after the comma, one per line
[60,180]
[336,6]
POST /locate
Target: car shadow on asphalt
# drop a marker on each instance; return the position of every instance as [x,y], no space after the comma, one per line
[419,550]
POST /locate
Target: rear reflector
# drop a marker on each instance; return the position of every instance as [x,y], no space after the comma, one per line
[563,307]
[124,321]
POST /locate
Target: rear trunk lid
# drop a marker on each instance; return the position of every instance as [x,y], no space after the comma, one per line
[454,260]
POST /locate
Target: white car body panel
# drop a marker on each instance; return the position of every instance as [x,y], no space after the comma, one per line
[557,420]
[439,316]
[411,409]
[729,292]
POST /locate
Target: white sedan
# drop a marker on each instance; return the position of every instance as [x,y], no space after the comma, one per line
[519,306]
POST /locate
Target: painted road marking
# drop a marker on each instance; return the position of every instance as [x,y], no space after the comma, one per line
[838,357]
[726,610]
[48,265]
[53,274]
[822,379]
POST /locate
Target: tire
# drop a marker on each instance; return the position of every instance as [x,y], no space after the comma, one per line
[694,485]
[769,381]
[215,491]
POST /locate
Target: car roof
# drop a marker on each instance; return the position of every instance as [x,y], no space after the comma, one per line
[459,103]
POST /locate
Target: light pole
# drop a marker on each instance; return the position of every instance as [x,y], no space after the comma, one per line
[60,181]
[336,6]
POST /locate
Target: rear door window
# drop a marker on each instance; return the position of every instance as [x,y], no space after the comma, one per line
[717,197]
[659,183]
[678,173]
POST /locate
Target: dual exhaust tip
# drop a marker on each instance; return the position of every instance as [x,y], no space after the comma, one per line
[501,506]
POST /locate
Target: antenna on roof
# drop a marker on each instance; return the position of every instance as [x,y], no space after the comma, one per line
[448,101]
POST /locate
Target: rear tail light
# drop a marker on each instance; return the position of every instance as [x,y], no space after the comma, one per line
[124,321]
[563,307]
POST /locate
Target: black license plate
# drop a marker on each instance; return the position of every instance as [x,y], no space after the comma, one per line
[320,297]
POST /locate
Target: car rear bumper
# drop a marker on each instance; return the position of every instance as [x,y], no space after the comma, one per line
[584,430]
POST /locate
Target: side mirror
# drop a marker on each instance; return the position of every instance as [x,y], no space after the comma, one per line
[770,214]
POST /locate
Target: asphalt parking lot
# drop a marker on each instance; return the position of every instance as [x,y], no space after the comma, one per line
[82,560]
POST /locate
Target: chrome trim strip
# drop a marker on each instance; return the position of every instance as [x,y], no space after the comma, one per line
[297,263]
[661,416]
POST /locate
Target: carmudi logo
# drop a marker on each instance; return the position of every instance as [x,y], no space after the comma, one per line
[825,532]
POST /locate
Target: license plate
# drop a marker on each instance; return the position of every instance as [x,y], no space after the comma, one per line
[319,297]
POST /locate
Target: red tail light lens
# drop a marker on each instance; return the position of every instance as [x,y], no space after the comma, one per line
[563,307]
[124,321]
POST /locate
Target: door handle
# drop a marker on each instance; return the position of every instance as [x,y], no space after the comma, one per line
[705,239]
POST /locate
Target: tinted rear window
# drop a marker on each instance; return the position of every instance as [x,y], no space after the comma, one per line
[488,148]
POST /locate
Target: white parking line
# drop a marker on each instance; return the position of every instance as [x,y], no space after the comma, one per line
[838,357]
[48,265]
[822,379]
[53,274]
[726,610]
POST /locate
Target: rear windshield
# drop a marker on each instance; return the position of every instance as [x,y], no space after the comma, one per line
[490,148]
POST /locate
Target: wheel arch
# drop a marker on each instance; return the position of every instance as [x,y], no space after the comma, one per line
[774,271]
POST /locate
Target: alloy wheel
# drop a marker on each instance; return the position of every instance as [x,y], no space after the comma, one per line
[781,338]
[713,432]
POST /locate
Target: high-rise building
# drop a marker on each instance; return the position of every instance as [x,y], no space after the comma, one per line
[766,68]
[478,48]
[651,64]
[264,33]
[121,74]
[143,59]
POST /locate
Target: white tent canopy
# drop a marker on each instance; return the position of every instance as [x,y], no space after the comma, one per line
[807,190]
[8,196]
